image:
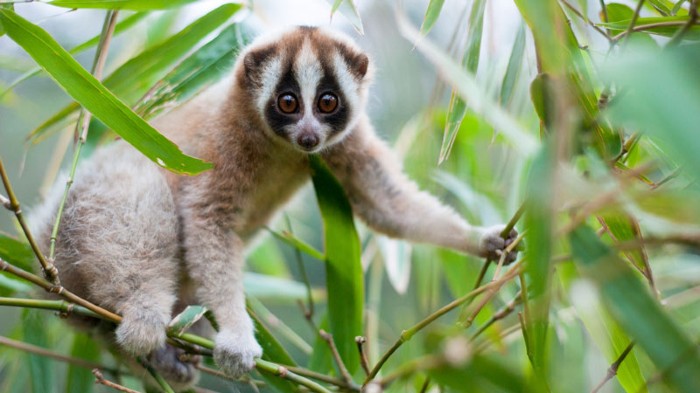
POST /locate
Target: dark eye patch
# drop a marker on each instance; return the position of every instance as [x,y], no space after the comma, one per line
[338,119]
[276,119]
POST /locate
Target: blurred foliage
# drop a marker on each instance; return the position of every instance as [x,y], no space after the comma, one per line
[588,117]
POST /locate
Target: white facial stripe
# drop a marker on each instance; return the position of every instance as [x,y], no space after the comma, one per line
[308,73]
[348,85]
[270,78]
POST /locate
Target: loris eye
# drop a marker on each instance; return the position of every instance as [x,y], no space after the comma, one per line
[287,103]
[327,103]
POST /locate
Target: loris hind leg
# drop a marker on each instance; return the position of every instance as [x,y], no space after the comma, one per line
[117,244]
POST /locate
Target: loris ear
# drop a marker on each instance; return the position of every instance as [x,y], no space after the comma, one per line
[359,64]
[254,61]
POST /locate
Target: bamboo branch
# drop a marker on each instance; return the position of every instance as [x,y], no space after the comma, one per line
[585,19]
[100,379]
[12,204]
[407,334]
[612,370]
[360,341]
[8,342]
[84,120]
[692,19]
[342,369]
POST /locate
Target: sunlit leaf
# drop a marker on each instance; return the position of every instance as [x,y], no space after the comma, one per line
[515,64]
[467,87]
[344,278]
[470,62]
[184,320]
[349,10]
[87,90]
[204,66]
[431,15]
[268,287]
[134,5]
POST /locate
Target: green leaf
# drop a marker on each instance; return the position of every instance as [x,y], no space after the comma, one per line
[139,73]
[205,65]
[466,86]
[80,379]
[344,279]
[16,252]
[660,25]
[272,351]
[631,305]
[87,90]
[515,64]
[619,12]
[40,367]
[470,62]
[268,287]
[122,26]
[349,10]
[659,99]
[134,5]
[299,244]
[623,227]
[539,226]
[431,15]
[484,374]
[184,320]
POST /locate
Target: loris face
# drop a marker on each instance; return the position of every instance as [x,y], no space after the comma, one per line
[309,86]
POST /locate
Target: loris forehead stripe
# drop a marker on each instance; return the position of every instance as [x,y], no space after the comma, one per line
[308,72]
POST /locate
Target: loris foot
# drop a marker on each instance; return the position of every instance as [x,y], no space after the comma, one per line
[141,331]
[178,368]
[235,351]
[492,245]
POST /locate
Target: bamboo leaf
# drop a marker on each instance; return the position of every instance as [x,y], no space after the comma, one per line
[205,65]
[134,5]
[631,305]
[344,280]
[470,62]
[267,287]
[299,244]
[467,87]
[431,15]
[40,367]
[658,99]
[16,252]
[272,351]
[85,89]
[623,227]
[80,379]
[133,78]
[539,227]
[184,320]
[349,10]
[515,63]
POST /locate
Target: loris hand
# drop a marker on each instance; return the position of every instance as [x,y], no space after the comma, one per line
[492,245]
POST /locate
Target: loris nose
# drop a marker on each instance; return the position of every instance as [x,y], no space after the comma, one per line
[308,140]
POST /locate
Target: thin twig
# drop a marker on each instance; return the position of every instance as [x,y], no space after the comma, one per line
[260,364]
[8,342]
[612,370]
[504,255]
[64,308]
[692,19]
[632,24]
[500,314]
[344,373]
[222,375]
[650,26]
[12,204]
[309,309]
[59,290]
[84,121]
[360,341]
[100,379]
[407,334]
[425,386]
[585,19]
